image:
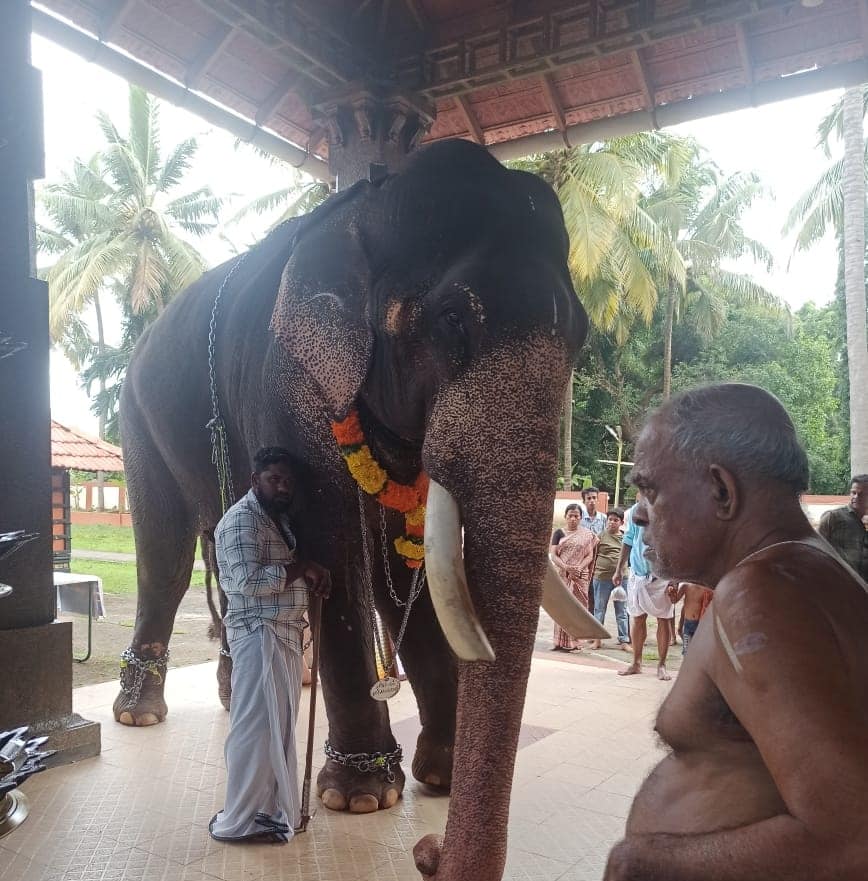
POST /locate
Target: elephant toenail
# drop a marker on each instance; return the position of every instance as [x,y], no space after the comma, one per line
[147,719]
[126,718]
[333,800]
[432,779]
[364,804]
[390,797]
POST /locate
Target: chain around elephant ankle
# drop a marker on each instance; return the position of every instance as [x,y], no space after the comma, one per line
[134,668]
[368,763]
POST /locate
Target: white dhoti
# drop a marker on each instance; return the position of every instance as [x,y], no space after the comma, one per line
[262,793]
[646,595]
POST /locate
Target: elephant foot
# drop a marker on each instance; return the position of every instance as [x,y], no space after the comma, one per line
[426,854]
[224,680]
[140,702]
[343,788]
[432,762]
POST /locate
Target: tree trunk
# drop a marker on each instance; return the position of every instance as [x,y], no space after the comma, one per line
[668,323]
[568,435]
[100,347]
[854,276]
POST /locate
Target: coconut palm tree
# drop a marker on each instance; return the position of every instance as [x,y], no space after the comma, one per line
[618,252]
[702,214]
[117,218]
[836,202]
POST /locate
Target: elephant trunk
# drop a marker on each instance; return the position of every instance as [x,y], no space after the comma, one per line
[501,471]
[506,587]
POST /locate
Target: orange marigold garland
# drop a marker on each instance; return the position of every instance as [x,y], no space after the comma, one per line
[409,499]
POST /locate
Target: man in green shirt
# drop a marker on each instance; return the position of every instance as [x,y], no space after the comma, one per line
[608,552]
[846,529]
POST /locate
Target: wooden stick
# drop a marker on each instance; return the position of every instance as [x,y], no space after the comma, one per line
[315,630]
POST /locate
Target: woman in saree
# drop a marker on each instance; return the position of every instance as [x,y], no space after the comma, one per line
[573,551]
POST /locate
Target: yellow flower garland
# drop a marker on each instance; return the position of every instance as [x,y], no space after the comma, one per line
[373,479]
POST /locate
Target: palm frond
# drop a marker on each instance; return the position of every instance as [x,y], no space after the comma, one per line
[177,164]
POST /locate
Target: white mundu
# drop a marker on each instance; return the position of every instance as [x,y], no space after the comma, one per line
[262,784]
[646,595]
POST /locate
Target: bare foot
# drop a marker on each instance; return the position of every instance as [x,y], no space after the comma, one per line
[594,645]
[632,670]
[625,647]
[662,675]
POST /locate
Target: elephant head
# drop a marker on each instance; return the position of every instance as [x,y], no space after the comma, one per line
[440,302]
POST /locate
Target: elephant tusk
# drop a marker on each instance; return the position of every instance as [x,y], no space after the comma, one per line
[444,565]
[566,610]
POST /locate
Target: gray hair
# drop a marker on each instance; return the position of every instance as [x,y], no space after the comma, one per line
[740,426]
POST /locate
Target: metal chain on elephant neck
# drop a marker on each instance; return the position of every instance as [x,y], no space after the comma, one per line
[390,684]
[219,441]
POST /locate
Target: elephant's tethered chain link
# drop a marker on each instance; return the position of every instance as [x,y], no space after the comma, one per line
[219,442]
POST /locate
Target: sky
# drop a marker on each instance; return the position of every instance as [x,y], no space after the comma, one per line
[778,141]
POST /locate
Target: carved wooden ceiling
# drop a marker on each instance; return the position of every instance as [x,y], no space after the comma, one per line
[495,71]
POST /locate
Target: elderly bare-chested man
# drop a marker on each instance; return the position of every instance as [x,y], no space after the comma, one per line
[767,776]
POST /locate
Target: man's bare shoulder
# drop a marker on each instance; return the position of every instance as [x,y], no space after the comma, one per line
[789,599]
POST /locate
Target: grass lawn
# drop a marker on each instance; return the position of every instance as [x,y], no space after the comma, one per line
[100,537]
[119,579]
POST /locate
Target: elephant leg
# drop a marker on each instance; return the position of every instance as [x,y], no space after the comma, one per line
[165,546]
[430,667]
[357,723]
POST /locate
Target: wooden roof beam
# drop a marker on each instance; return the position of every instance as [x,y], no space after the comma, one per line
[555,106]
[276,97]
[415,9]
[470,119]
[110,23]
[863,17]
[744,55]
[644,77]
[200,64]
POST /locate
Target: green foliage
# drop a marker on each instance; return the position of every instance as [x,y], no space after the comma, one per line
[102,537]
[119,579]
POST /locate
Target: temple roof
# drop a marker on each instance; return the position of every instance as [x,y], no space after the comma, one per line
[72,449]
[495,71]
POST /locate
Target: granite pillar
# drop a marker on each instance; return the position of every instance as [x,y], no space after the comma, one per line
[35,651]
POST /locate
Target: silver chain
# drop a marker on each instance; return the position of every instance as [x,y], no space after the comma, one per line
[416,585]
[135,668]
[219,441]
[367,763]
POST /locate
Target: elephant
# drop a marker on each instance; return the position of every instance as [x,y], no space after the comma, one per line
[436,306]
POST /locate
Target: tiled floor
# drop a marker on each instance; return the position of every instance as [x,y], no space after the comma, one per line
[139,812]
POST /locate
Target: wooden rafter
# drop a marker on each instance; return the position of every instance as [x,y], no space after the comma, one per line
[644,77]
[111,21]
[744,54]
[276,97]
[863,15]
[554,102]
[415,9]
[470,119]
[384,19]
[200,64]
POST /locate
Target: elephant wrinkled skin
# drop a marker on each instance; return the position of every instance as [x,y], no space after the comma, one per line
[439,303]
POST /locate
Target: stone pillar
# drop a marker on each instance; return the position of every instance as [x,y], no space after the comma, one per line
[35,651]
[371,131]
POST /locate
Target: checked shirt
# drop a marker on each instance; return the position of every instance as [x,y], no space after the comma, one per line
[252,556]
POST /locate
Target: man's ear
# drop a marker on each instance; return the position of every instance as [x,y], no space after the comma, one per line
[725,492]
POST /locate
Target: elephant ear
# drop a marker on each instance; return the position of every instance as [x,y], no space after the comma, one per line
[320,318]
